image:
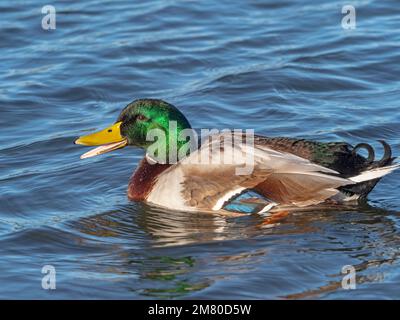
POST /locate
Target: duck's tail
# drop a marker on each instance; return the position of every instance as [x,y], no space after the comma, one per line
[376,173]
[372,171]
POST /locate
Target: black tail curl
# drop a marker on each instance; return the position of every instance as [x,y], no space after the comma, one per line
[386,158]
[363,188]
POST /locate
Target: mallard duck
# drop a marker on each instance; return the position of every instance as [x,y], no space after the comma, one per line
[286,172]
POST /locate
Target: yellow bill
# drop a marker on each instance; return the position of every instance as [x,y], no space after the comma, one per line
[108,139]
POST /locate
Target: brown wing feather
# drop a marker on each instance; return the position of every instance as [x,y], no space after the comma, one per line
[297,189]
[203,188]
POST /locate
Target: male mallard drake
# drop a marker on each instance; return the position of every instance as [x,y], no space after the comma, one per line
[286,172]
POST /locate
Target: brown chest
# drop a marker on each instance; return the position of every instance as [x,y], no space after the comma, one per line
[143,179]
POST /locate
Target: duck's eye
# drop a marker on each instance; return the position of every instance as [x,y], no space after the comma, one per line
[141,117]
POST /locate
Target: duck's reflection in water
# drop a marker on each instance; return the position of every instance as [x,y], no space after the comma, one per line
[154,248]
[174,254]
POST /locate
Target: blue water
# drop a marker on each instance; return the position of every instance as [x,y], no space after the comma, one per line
[283,68]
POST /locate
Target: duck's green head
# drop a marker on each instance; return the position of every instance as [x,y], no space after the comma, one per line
[137,125]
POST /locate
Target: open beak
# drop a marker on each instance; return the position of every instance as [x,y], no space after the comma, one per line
[108,139]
